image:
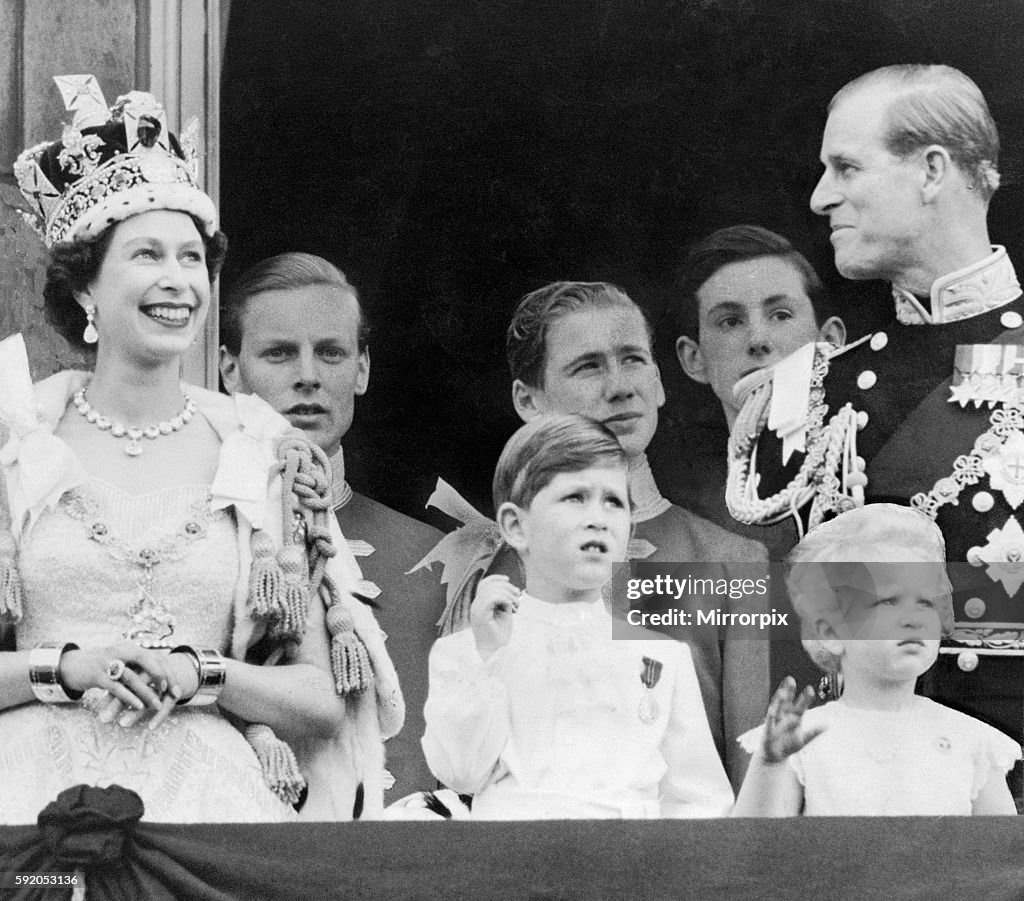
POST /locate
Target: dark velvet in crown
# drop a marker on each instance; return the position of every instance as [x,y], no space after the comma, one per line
[110,164]
[113,142]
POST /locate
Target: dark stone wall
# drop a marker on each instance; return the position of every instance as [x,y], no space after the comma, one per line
[452,155]
[37,41]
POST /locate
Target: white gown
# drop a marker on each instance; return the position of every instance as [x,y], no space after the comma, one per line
[82,583]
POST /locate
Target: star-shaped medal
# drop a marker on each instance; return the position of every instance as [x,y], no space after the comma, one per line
[1004,555]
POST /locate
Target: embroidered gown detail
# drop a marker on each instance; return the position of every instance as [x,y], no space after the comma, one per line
[161,567]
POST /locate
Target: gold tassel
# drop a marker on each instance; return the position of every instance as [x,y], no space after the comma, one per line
[350,661]
[280,768]
[289,612]
[10,579]
[265,577]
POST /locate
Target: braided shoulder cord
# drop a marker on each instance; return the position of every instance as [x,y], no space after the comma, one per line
[831,448]
[281,586]
[307,480]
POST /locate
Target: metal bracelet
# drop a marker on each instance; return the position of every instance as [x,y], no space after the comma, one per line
[210,669]
[44,672]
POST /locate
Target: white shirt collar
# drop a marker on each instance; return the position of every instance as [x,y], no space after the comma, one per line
[563,614]
[647,500]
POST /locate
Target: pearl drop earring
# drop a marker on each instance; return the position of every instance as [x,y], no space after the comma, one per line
[90,335]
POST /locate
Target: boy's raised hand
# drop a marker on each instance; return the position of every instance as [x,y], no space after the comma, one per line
[490,614]
[783,726]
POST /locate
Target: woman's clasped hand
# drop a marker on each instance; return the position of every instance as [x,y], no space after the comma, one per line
[125,682]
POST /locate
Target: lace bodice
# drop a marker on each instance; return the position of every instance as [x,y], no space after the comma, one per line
[161,569]
[103,564]
[81,589]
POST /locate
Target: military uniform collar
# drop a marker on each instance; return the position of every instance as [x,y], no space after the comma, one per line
[341,491]
[643,492]
[976,289]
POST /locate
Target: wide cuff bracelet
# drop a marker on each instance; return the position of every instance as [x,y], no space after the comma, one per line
[44,672]
[209,666]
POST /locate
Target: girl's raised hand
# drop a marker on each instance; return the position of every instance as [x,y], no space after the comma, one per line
[783,726]
[491,612]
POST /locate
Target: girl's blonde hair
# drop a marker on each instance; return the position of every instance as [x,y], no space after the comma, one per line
[828,556]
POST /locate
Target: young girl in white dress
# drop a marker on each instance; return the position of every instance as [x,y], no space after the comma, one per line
[873,597]
[536,710]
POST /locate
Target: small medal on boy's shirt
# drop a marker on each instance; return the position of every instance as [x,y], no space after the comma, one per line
[651,673]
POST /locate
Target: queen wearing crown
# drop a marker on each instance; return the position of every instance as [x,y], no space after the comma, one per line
[178,588]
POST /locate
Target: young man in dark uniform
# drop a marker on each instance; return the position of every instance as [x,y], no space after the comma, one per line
[294,333]
[746,299]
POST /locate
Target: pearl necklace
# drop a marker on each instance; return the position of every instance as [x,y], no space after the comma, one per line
[119,430]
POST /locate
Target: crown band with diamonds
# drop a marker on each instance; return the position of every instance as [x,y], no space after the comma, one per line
[121,188]
[109,165]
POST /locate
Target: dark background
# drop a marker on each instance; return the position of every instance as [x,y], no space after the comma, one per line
[451,156]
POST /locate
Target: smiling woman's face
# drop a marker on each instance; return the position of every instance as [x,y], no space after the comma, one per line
[152,290]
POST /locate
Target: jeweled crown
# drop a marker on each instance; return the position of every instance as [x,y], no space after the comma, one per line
[110,164]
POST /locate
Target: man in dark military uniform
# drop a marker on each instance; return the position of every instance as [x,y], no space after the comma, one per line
[294,333]
[926,412]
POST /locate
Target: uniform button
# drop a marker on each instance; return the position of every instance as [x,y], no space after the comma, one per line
[967,661]
[866,380]
[879,340]
[1011,319]
[974,608]
[862,419]
[983,502]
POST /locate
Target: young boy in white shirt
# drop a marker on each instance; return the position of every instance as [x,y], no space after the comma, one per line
[536,710]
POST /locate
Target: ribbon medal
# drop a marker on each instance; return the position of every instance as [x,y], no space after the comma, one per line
[651,673]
